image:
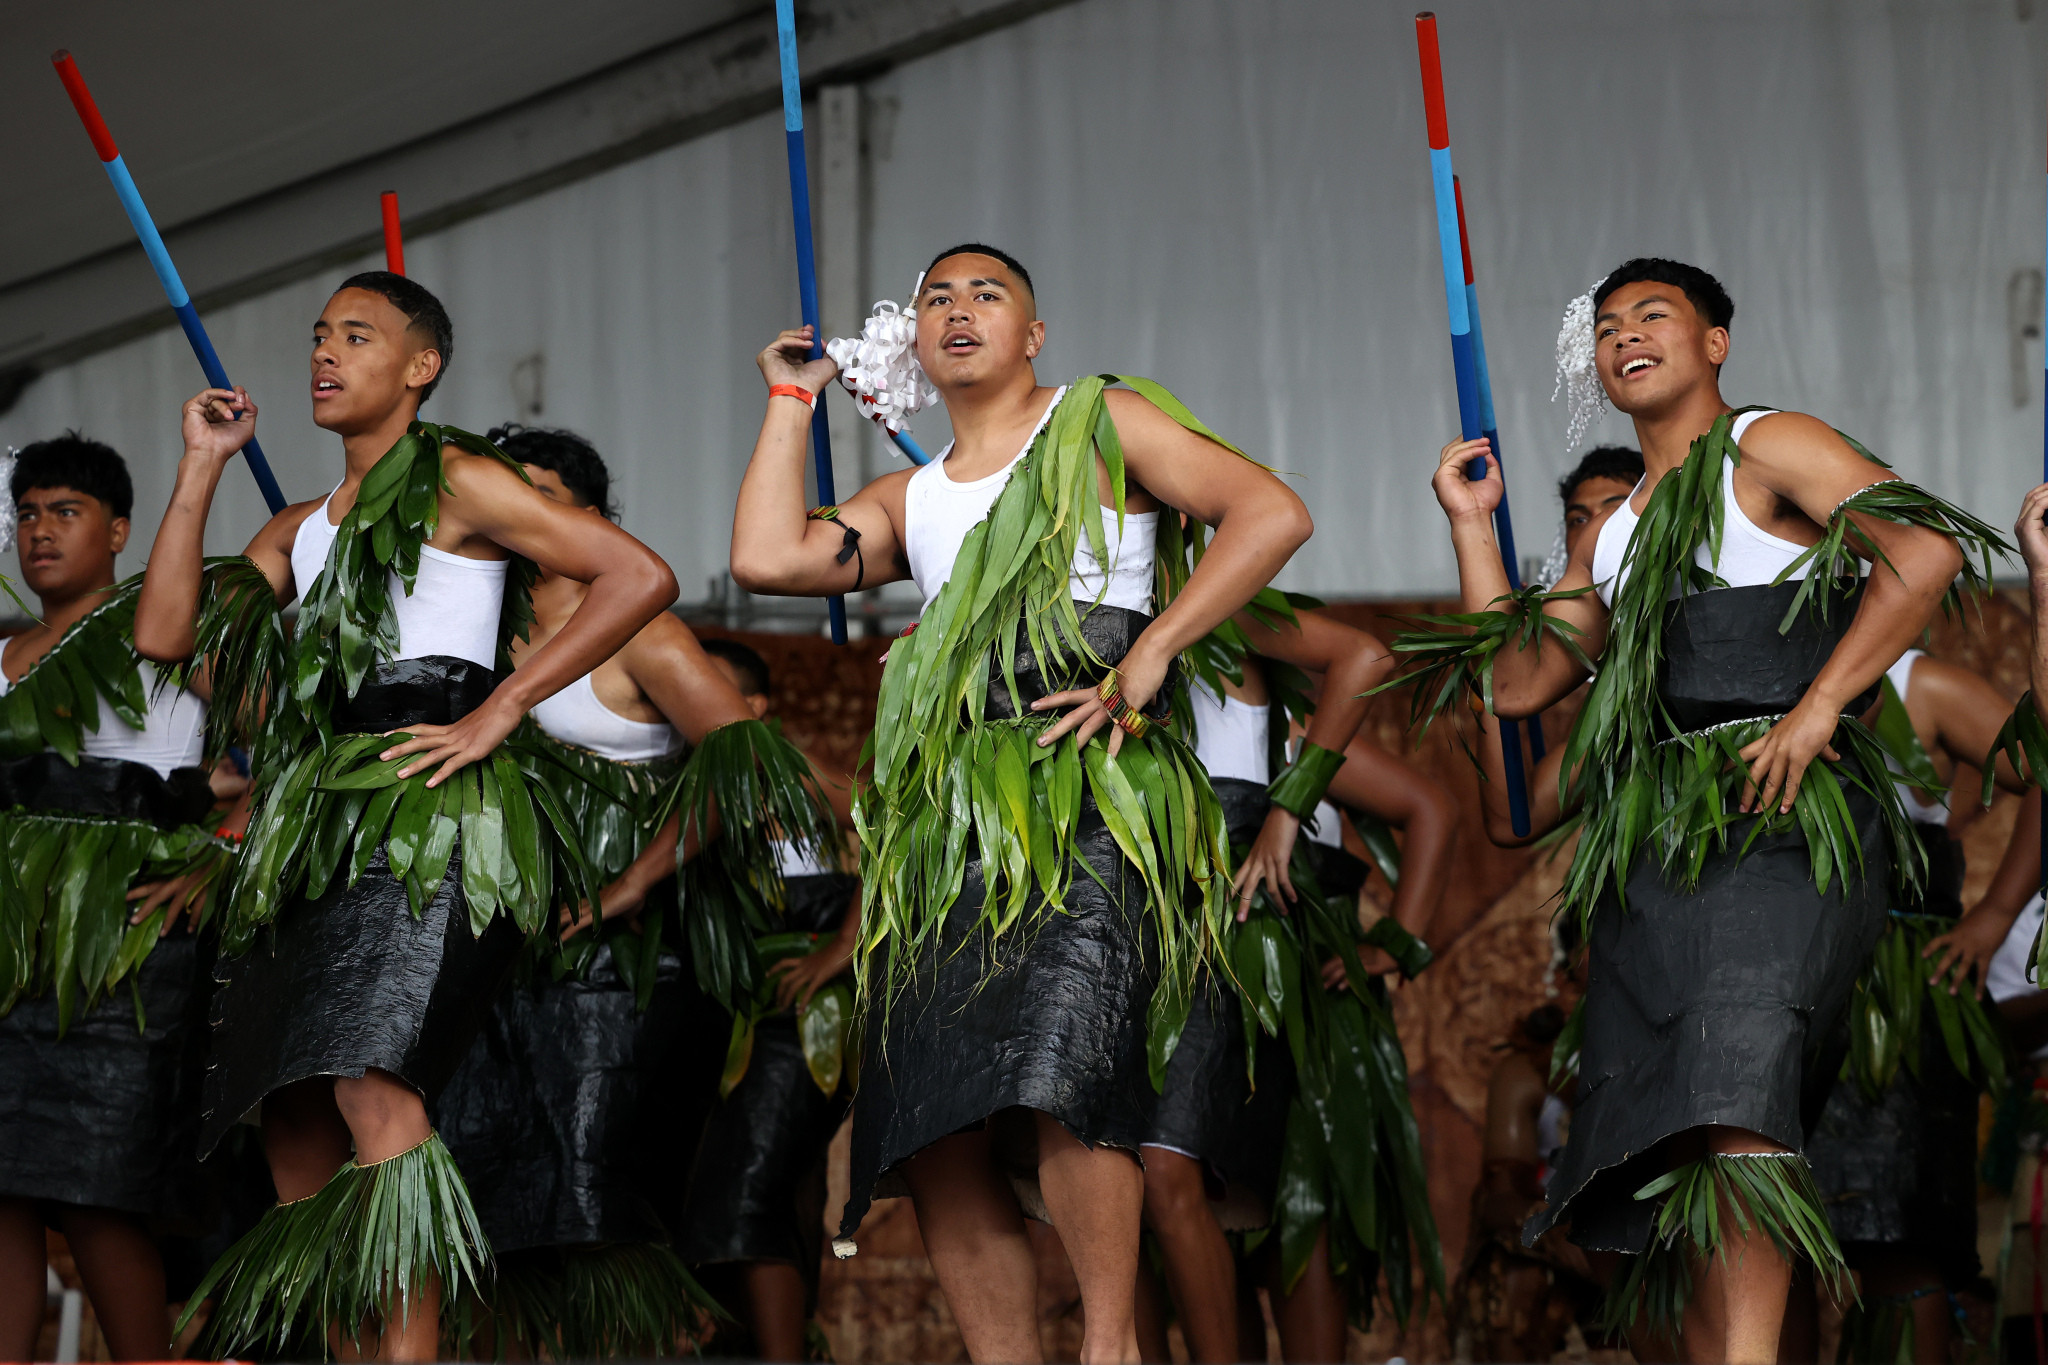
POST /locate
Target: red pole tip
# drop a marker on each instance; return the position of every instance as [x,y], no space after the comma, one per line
[1464,237]
[394,240]
[1432,81]
[82,101]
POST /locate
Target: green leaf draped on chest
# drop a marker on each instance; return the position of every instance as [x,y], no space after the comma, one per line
[348,618]
[58,701]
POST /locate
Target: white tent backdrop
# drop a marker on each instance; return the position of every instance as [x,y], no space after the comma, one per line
[1232,196]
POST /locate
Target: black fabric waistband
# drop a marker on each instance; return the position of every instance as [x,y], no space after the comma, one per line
[1245,805]
[106,788]
[1108,631]
[435,689]
[1725,659]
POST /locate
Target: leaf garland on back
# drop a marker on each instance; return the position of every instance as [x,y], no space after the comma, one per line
[944,774]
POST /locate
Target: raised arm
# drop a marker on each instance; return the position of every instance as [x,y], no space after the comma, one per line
[1804,461]
[776,547]
[1526,682]
[1352,663]
[217,424]
[1259,524]
[485,501]
[2032,533]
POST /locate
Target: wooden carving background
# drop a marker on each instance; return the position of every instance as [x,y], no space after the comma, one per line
[1492,941]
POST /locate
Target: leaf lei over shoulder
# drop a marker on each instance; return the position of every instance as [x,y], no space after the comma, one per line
[937,782]
[57,702]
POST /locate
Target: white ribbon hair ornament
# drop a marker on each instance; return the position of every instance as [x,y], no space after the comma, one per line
[1577,377]
[7,513]
[879,367]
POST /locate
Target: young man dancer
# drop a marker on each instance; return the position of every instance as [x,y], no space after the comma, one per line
[1600,482]
[755,1207]
[104,790]
[378,730]
[549,1116]
[1731,907]
[1008,991]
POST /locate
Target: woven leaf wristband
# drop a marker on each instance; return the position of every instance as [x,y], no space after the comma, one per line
[1300,787]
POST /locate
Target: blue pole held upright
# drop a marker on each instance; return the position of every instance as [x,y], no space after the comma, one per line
[159,259]
[1464,349]
[806,262]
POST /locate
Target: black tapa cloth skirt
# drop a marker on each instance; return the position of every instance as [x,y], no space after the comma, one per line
[107,1115]
[354,980]
[1722,1006]
[1200,1108]
[544,1116]
[1051,1018]
[1902,1170]
[757,1186]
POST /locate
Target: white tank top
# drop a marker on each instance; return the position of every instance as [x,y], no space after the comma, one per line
[454,605]
[1230,735]
[171,735]
[938,512]
[802,860]
[1933,812]
[2010,976]
[1328,828]
[1750,556]
[575,716]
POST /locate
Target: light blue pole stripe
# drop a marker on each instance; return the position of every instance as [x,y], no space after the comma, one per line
[911,449]
[792,87]
[145,228]
[1447,239]
[1486,422]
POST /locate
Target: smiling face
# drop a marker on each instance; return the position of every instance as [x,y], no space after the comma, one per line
[1591,499]
[368,360]
[1653,348]
[976,322]
[67,541]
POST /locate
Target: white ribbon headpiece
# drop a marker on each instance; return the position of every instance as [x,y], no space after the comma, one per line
[879,367]
[1577,378]
[7,499]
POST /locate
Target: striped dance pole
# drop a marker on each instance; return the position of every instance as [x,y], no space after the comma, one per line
[159,258]
[1503,522]
[1464,352]
[394,240]
[806,262]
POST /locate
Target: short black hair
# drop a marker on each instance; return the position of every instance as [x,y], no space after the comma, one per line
[752,668]
[1603,462]
[984,249]
[1706,293]
[422,311]
[74,461]
[576,460]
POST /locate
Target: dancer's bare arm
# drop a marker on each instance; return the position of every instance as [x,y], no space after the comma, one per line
[1525,682]
[1545,811]
[2032,534]
[487,504]
[1966,951]
[1259,524]
[1804,461]
[217,423]
[776,547]
[1966,712]
[1383,784]
[1352,662]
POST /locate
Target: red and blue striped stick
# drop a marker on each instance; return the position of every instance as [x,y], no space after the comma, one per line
[159,259]
[806,261]
[1464,350]
[394,240]
[1503,523]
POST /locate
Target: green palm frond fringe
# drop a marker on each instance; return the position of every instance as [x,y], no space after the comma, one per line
[824,1029]
[615,1301]
[760,790]
[63,908]
[371,1238]
[1893,1002]
[1705,1204]
[1352,1159]
[325,801]
[1637,781]
[945,775]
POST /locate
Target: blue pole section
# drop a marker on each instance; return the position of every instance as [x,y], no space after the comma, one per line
[806,263]
[1503,523]
[1465,360]
[188,317]
[912,451]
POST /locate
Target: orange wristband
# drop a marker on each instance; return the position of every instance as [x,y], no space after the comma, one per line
[796,391]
